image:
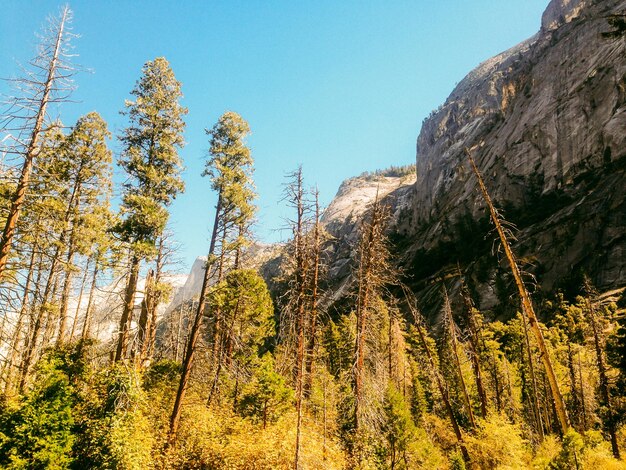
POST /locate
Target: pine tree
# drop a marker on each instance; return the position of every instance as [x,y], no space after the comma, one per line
[151,161]
[230,169]
[84,166]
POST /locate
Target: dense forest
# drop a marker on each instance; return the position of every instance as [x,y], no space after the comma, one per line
[247,376]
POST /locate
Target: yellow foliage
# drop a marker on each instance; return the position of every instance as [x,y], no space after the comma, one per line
[497,444]
[210,439]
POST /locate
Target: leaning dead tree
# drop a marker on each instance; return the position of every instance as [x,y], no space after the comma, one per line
[46,81]
[527,305]
[599,347]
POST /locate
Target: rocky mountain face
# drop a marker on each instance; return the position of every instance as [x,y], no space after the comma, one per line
[548,119]
[547,123]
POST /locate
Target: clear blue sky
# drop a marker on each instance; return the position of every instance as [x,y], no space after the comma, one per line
[340,86]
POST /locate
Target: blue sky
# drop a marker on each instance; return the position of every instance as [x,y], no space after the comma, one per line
[339,86]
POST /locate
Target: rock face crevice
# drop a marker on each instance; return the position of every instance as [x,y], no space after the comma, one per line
[550,115]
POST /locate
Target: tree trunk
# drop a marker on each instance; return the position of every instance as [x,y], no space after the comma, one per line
[474,341]
[80,298]
[193,334]
[533,382]
[300,287]
[604,380]
[17,335]
[144,318]
[127,313]
[41,317]
[527,305]
[87,322]
[310,356]
[455,354]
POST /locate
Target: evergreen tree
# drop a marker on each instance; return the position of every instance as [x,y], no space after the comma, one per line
[151,161]
[230,170]
[267,395]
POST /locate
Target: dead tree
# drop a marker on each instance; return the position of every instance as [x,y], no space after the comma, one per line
[314,282]
[296,198]
[527,305]
[47,82]
[372,275]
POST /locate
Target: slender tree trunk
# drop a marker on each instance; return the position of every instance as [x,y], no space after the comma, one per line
[300,287]
[80,298]
[217,329]
[155,302]
[582,392]
[574,387]
[363,305]
[71,214]
[220,360]
[474,341]
[42,315]
[65,296]
[17,335]
[87,322]
[533,382]
[32,151]
[144,318]
[457,361]
[193,334]
[605,393]
[127,313]
[527,305]
[310,357]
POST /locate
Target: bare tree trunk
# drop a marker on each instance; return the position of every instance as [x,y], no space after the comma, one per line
[300,287]
[80,298]
[527,305]
[366,263]
[455,354]
[67,284]
[605,393]
[574,389]
[533,382]
[217,328]
[310,357]
[87,322]
[17,335]
[127,313]
[32,151]
[193,334]
[474,341]
[42,316]
[143,325]
[582,392]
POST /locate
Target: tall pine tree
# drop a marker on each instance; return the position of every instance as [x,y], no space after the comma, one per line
[151,161]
